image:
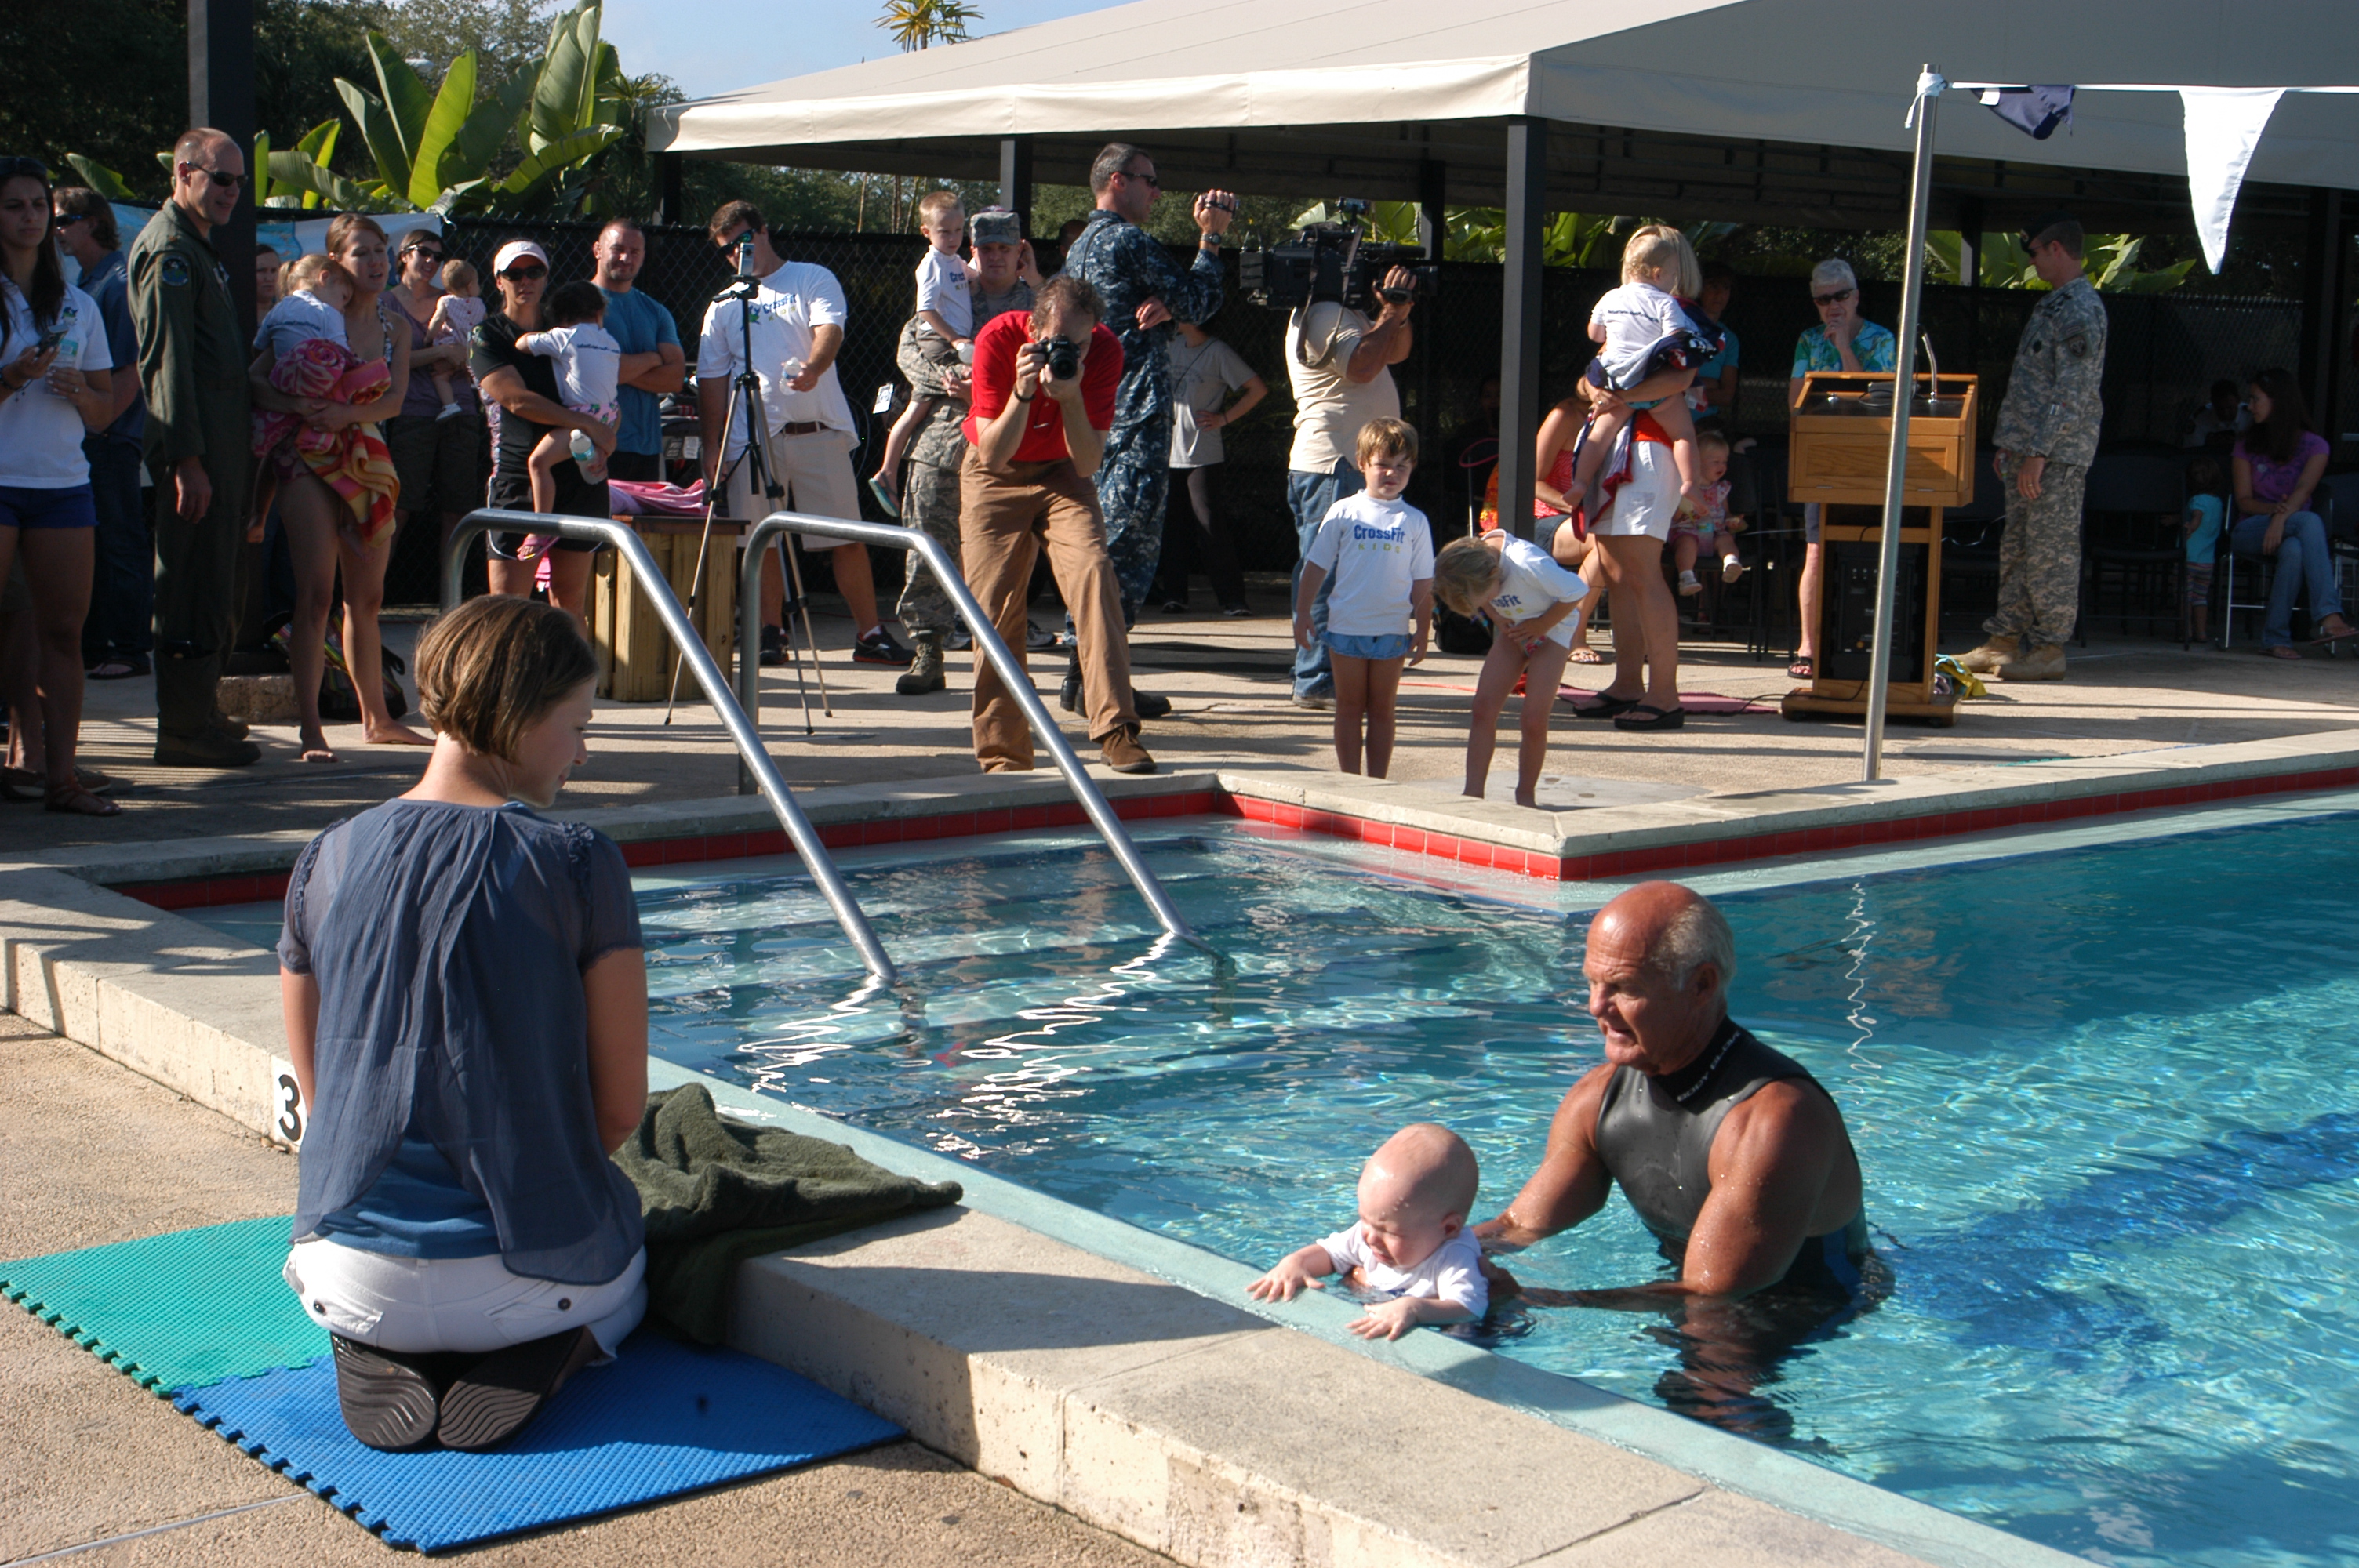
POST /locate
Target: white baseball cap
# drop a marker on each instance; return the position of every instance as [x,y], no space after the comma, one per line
[515,251]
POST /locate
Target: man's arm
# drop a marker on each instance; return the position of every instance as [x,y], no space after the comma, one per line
[1083,441]
[1004,432]
[1570,1184]
[1386,340]
[661,369]
[827,341]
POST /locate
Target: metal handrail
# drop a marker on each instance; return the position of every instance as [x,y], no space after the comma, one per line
[987,642]
[623,537]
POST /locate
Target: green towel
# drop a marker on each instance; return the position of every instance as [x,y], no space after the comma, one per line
[718,1192]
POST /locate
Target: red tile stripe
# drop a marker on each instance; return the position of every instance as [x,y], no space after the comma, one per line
[203,892]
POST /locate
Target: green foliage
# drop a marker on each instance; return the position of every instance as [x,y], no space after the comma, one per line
[2112,262]
[917,24]
[100,177]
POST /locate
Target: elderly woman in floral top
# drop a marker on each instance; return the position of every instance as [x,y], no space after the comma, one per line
[1841,340]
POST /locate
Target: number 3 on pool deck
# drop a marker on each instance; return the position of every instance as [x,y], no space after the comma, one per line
[287,1109]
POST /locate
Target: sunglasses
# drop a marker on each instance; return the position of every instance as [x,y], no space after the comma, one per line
[1146,179]
[426,251]
[1832,298]
[68,219]
[530,272]
[225,181]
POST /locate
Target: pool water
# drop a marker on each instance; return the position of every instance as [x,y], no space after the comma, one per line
[2105,1097]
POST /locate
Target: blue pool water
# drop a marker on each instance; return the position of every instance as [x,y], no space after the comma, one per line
[2105,1098]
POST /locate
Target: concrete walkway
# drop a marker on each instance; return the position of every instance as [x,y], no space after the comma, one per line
[99,1469]
[1228,683]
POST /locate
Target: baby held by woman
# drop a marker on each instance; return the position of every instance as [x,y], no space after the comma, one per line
[1410,1243]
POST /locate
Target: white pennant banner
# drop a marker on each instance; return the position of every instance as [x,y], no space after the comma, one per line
[2223,126]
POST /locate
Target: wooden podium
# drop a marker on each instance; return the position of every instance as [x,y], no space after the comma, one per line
[634,653]
[1842,442]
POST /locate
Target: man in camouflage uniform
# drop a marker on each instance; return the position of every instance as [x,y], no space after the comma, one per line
[192,359]
[2047,436]
[1002,260]
[1144,292]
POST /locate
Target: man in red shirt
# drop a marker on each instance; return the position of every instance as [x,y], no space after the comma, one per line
[1035,439]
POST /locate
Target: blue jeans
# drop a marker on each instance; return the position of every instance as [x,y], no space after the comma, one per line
[2303,563]
[123,586]
[1308,496]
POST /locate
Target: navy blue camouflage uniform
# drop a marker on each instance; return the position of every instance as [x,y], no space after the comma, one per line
[1129,267]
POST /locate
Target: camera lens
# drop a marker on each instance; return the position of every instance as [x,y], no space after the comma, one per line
[1064,359]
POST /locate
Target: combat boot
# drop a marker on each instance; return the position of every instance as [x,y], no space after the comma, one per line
[186,733]
[2044,661]
[1986,659]
[925,671]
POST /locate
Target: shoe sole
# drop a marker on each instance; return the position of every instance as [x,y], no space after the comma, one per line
[918,689]
[387,1405]
[1145,767]
[884,659]
[492,1400]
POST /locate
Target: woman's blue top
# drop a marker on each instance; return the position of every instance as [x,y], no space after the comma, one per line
[452,1115]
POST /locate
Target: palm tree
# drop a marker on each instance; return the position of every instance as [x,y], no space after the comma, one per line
[915,24]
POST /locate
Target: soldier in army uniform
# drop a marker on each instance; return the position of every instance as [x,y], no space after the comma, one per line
[2047,436]
[1005,277]
[192,360]
[1144,293]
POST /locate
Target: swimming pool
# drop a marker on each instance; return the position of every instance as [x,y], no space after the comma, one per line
[2103,1096]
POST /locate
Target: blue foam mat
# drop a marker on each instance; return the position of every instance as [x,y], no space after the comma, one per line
[665,1418]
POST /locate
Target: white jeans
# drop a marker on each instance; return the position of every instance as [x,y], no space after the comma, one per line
[469,1304]
[1647,501]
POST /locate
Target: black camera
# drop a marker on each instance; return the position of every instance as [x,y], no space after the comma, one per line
[1064,358]
[1333,261]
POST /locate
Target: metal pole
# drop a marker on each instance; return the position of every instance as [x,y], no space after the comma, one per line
[1011,670]
[1904,392]
[1519,321]
[698,659]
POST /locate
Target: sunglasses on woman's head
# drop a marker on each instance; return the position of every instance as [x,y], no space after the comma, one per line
[530,272]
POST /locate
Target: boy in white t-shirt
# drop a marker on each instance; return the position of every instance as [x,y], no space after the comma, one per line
[1533,605]
[946,328]
[1633,322]
[1380,550]
[1411,1243]
[588,381]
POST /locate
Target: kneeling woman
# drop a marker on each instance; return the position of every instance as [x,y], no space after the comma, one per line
[466,1010]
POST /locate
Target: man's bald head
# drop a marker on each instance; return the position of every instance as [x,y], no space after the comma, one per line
[208,174]
[1677,928]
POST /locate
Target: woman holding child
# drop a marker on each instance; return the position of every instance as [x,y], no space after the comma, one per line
[323,384]
[438,453]
[466,1011]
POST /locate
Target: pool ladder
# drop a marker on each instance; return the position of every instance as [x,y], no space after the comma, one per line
[739,712]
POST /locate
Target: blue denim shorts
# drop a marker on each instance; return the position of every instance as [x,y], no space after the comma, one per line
[1391,645]
[23,507]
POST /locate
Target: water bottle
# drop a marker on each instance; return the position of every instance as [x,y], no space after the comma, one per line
[585,454]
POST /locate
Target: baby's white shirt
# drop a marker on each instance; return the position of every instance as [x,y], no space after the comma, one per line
[1531,583]
[1636,316]
[942,289]
[1452,1273]
[589,364]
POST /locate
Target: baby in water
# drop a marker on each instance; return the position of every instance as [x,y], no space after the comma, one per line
[1411,1241]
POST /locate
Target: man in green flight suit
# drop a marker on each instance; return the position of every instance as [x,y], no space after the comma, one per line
[192,359]
[2047,436]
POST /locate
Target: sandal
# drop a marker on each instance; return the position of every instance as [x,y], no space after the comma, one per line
[1802,669]
[117,669]
[1606,707]
[1585,655]
[2282,651]
[73,800]
[2347,633]
[1641,717]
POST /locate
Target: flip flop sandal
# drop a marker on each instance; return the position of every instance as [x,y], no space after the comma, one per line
[387,1403]
[70,799]
[2343,636]
[98,782]
[1653,717]
[1585,655]
[492,1400]
[1802,669]
[114,669]
[1607,708]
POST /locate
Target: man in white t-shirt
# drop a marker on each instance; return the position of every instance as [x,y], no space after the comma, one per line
[798,329]
[1339,364]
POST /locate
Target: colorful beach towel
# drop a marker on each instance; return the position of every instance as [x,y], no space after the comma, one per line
[352,461]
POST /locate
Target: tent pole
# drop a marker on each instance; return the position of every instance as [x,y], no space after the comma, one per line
[1904,392]
[1015,179]
[1519,320]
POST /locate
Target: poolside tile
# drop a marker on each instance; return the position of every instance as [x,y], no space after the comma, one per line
[1727,1531]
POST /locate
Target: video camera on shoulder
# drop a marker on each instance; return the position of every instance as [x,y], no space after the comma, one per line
[1333,261]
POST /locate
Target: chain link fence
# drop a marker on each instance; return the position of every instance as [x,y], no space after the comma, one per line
[2164,351]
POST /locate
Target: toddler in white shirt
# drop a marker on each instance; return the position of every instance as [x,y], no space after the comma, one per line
[1633,322]
[456,316]
[946,312]
[312,293]
[1411,1243]
[588,381]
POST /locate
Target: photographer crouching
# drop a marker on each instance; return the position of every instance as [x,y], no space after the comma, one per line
[1043,401]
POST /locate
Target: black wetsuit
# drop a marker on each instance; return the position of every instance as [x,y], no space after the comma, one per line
[1655,1135]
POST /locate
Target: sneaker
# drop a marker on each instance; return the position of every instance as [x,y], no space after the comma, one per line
[885,497]
[449,411]
[1323,701]
[1146,704]
[925,671]
[1730,568]
[1689,585]
[1236,612]
[492,1400]
[1036,640]
[877,647]
[1123,754]
[773,646]
[1175,607]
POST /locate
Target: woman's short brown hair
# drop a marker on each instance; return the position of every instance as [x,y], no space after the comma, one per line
[494,667]
[344,225]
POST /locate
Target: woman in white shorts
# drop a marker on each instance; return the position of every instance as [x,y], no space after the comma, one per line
[1644,691]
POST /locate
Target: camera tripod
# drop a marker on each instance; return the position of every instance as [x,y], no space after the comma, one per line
[762,484]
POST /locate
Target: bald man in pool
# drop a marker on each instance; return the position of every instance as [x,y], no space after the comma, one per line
[1730,1153]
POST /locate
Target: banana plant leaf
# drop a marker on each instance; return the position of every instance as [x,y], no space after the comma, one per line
[320,143]
[376,129]
[479,140]
[431,165]
[294,169]
[406,100]
[532,178]
[100,177]
[567,94]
